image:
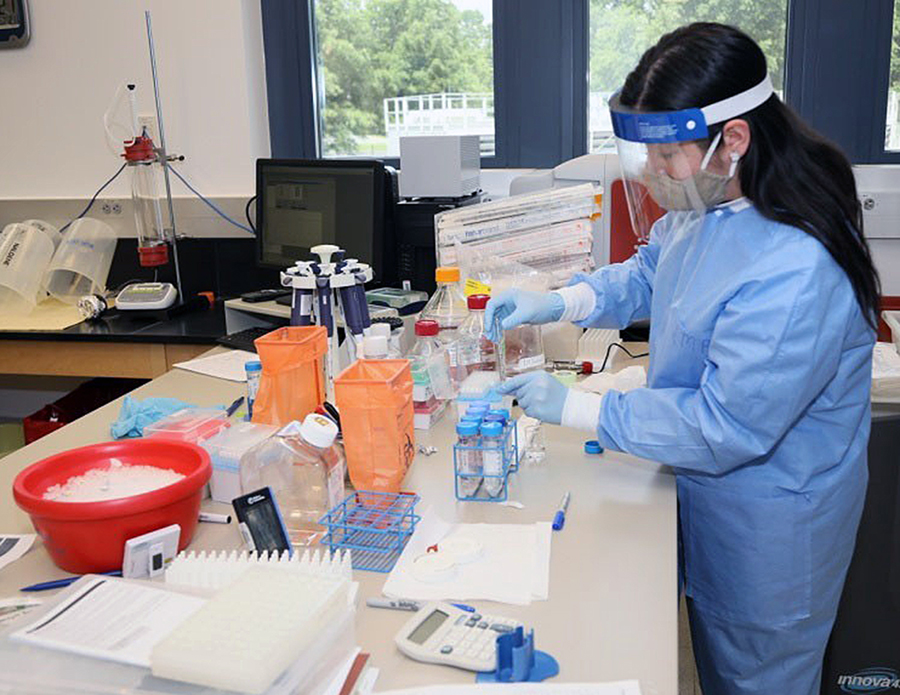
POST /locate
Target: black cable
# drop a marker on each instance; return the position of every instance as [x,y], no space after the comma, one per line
[624,349]
[247,214]
[94,198]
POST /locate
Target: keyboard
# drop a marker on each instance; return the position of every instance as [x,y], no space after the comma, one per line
[243,340]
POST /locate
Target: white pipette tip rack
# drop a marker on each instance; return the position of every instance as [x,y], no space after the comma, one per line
[252,630]
[215,570]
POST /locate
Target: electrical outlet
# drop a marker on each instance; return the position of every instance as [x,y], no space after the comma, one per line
[111,207]
[148,121]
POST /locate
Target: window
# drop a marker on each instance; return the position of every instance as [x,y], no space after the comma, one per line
[892,122]
[388,68]
[621,30]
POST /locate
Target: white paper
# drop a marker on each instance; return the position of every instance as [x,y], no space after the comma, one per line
[336,684]
[617,688]
[14,608]
[514,567]
[112,619]
[224,365]
[14,546]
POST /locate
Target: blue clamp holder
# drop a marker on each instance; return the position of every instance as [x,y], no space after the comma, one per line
[519,662]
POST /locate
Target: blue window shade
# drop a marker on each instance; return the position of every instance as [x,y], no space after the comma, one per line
[290,78]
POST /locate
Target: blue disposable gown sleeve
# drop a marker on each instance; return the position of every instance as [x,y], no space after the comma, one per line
[774,347]
[623,290]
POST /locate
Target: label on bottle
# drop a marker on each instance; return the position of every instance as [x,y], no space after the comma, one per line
[336,486]
[473,286]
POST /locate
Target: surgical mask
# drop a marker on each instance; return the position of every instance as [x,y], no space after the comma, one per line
[701,191]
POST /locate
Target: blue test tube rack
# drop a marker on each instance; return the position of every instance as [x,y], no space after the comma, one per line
[509,445]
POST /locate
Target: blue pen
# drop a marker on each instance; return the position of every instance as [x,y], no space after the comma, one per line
[234,406]
[60,583]
[559,520]
[405,604]
[463,607]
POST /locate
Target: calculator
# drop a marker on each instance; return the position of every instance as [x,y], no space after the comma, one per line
[443,634]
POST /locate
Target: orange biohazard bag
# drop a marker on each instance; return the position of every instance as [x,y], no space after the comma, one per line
[293,381]
[374,398]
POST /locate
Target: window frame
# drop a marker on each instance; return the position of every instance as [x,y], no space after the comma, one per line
[544,121]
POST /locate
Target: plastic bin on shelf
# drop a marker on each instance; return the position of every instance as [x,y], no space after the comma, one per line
[85,398]
[292,384]
[25,254]
[81,264]
[374,398]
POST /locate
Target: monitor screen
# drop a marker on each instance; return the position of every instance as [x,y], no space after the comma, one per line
[302,203]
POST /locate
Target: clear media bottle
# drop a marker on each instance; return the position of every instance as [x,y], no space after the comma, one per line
[474,351]
[468,460]
[492,457]
[305,470]
[430,364]
[523,350]
[448,307]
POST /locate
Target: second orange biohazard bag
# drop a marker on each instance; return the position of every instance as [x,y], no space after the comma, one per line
[374,398]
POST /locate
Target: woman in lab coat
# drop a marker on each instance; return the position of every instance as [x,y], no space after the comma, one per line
[762,298]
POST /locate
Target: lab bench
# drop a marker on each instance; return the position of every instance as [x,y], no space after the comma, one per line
[116,346]
[612,612]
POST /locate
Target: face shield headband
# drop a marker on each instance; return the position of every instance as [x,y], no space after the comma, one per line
[687,124]
[655,156]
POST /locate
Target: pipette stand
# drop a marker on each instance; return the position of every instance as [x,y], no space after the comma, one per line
[519,662]
[324,290]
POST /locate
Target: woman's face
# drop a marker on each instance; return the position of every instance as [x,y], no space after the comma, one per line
[679,160]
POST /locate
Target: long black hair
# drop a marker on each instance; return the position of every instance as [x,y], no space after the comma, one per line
[790,173]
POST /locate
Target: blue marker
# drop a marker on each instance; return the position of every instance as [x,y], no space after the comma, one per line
[559,520]
[60,583]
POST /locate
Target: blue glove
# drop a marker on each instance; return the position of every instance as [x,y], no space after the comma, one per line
[540,395]
[514,307]
[136,415]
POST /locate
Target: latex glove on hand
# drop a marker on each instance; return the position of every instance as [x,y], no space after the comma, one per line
[540,395]
[514,307]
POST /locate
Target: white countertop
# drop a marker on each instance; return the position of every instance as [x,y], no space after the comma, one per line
[612,612]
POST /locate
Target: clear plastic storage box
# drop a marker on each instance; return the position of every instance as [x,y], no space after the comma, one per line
[225,451]
[194,425]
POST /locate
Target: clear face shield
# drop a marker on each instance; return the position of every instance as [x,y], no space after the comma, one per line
[665,157]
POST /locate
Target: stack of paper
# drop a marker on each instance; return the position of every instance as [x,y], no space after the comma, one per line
[224,365]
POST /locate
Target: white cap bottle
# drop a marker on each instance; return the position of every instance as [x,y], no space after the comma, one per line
[375,347]
[318,430]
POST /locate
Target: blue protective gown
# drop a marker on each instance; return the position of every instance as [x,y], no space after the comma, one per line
[758,396]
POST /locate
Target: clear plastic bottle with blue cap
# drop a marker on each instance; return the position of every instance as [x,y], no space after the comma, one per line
[253,370]
[468,459]
[492,457]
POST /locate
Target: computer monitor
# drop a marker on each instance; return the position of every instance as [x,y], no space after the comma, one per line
[304,202]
